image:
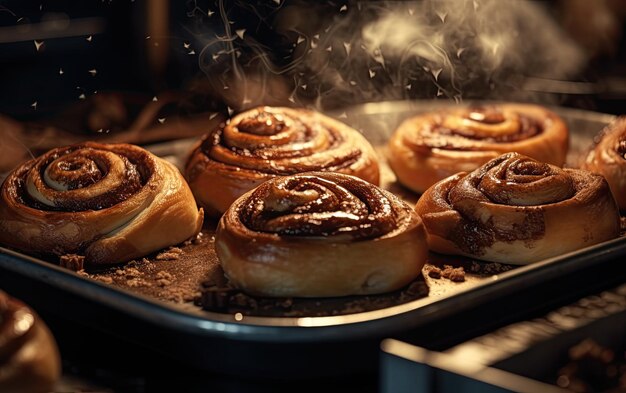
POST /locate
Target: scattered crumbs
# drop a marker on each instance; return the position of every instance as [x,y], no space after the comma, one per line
[172,254]
[163,282]
[455,274]
[180,295]
[163,274]
[137,282]
[488,268]
[72,262]
[105,279]
[195,276]
[434,272]
[128,272]
[164,279]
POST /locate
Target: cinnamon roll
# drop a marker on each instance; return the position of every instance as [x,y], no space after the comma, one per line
[108,202]
[265,142]
[517,210]
[432,146]
[608,158]
[320,234]
[29,359]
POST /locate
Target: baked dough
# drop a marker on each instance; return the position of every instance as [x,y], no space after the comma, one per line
[608,158]
[320,234]
[517,210]
[430,147]
[29,359]
[261,143]
[109,202]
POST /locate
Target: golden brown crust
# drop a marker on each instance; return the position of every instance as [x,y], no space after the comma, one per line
[320,234]
[265,142]
[108,202]
[608,158]
[29,359]
[516,210]
[430,147]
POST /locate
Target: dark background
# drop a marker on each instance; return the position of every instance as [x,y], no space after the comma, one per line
[290,52]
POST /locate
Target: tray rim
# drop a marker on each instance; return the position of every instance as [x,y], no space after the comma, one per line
[308,329]
[376,322]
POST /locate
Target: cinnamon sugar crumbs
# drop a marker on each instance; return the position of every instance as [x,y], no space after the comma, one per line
[456,274]
[434,272]
[164,279]
[72,262]
[105,279]
[179,295]
[488,268]
[165,275]
[172,254]
[137,282]
[132,272]
[162,282]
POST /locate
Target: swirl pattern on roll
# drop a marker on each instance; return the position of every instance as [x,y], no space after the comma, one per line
[429,147]
[110,202]
[608,158]
[315,206]
[320,234]
[517,210]
[261,143]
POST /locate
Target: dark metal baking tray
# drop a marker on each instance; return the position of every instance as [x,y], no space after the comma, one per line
[268,345]
[521,357]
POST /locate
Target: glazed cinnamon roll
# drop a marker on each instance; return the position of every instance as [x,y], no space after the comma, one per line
[108,202]
[608,158]
[432,146]
[29,359]
[320,234]
[517,210]
[265,142]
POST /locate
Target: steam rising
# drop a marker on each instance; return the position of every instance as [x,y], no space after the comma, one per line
[373,51]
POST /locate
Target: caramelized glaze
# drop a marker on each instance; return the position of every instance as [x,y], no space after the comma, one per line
[310,205]
[608,158]
[320,234]
[432,146]
[465,129]
[518,210]
[107,202]
[259,144]
[280,142]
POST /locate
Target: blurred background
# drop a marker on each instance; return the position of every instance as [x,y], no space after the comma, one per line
[60,58]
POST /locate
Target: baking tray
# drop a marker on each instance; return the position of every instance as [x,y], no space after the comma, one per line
[521,357]
[250,344]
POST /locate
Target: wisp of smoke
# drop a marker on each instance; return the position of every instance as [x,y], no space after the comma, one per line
[374,51]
